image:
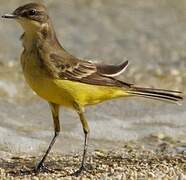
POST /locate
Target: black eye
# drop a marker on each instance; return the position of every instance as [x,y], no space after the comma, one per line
[32,12]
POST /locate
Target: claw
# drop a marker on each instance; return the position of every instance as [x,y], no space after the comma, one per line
[79,171]
[41,168]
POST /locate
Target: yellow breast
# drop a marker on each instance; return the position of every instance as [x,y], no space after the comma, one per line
[64,92]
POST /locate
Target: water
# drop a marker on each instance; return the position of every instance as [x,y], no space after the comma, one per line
[150,34]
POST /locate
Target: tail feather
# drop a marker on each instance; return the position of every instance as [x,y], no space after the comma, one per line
[159,94]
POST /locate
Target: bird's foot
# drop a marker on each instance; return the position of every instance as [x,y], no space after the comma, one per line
[79,171]
[41,168]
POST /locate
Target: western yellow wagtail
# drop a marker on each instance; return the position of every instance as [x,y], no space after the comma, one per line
[62,79]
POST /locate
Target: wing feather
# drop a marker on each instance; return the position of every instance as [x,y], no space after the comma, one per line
[112,70]
[65,66]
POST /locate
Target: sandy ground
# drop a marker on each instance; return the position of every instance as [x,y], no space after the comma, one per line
[132,161]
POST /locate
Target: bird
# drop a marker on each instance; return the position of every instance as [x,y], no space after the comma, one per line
[65,80]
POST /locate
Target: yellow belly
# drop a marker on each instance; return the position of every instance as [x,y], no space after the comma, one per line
[65,92]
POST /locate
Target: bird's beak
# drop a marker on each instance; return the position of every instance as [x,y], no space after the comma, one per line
[10,16]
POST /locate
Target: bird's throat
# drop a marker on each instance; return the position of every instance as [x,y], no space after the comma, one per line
[29,40]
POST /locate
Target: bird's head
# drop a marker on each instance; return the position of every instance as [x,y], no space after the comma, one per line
[31,16]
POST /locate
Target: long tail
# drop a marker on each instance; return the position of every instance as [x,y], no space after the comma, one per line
[159,94]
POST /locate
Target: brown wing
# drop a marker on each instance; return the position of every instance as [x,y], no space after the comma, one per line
[111,70]
[65,66]
[72,68]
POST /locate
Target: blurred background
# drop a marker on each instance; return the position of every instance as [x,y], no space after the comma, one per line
[150,34]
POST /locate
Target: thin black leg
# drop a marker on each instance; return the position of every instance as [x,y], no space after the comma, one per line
[55,115]
[40,165]
[86,132]
[82,166]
